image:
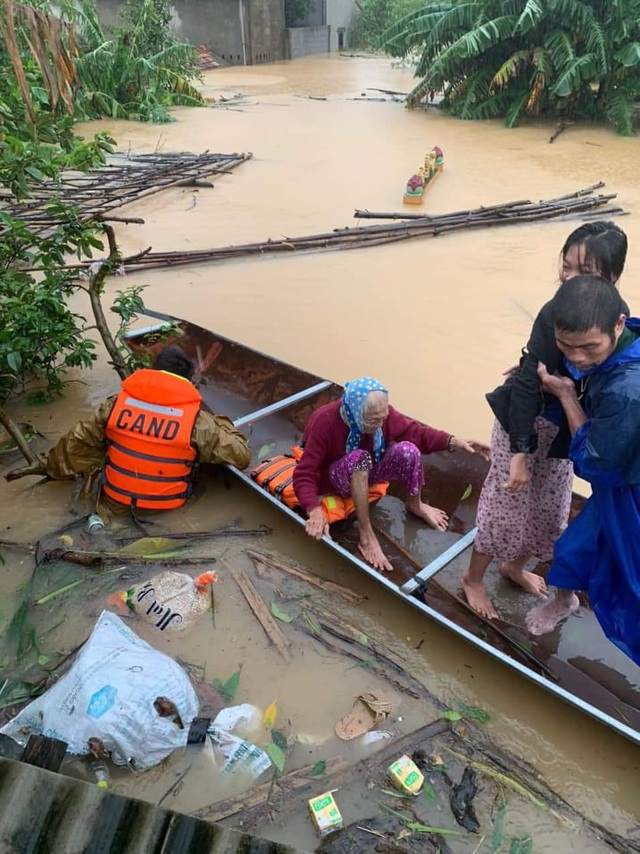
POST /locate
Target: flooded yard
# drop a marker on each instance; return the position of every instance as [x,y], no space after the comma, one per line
[436,320]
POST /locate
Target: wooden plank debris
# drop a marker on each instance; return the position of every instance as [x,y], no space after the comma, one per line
[332,587]
[44,752]
[257,605]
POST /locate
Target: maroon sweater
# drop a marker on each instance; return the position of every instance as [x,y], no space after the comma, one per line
[325,437]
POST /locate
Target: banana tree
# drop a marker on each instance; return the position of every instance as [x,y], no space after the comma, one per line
[512,58]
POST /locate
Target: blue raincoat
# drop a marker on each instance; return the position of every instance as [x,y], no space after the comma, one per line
[600,550]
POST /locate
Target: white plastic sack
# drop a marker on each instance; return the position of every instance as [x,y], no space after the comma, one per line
[170,600]
[109,693]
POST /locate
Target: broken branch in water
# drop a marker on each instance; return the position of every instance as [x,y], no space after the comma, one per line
[255,801]
[517,647]
[252,805]
[315,580]
[261,611]
[262,531]
[18,437]
[84,558]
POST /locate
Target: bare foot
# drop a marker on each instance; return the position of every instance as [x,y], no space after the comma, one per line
[545,618]
[373,554]
[434,517]
[478,598]
[529,581]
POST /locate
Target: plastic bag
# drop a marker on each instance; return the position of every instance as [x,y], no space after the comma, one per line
[245,718]
[233,754]
[109,693]
[169,601]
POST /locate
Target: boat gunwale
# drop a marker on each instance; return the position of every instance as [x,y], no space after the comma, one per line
[410,589]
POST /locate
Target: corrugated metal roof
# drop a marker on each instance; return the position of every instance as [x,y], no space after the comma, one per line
[46,813]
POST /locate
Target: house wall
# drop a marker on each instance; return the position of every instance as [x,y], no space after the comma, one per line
[217,24]
[337,14]
[305,41]
[340,13]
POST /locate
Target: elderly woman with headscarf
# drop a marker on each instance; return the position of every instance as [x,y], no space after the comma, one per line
[358,441]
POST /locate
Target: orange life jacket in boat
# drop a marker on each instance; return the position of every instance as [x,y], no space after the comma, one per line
[150,460]
[276,476]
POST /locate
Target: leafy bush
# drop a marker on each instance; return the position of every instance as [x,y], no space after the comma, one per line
[140,72]
[513,58]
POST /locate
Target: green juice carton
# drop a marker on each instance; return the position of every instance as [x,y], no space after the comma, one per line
[406,776]
[325,814]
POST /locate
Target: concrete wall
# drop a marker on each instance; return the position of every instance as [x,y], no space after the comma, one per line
[266,30]
[304,41]
[340,13]
[217,24]
[42,811]
[337,14]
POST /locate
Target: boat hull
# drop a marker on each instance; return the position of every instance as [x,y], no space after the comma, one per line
[272,401]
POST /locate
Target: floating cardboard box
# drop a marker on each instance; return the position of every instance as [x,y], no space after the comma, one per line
[325,814]
[406,776]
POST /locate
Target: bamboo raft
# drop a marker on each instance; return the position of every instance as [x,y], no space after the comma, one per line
[124,179]
[273,401]
[581,204]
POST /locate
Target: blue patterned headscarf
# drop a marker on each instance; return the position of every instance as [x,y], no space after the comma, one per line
[353,401]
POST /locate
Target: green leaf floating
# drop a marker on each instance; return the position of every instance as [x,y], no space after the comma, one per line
[319,768]
[276,755]
[450,715]
[280,615]
[473,713]
[228,689]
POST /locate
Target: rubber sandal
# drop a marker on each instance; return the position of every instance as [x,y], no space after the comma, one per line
[368,711]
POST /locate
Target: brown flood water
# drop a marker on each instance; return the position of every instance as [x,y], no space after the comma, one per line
[436,320]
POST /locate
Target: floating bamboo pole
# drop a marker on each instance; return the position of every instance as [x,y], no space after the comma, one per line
[575,204]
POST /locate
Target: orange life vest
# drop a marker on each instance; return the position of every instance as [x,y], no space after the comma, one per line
[150,460]
[276,476]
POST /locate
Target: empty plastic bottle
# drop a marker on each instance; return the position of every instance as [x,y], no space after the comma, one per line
[100,771]
[98,762]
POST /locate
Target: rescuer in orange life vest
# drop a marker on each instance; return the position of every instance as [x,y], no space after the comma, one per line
[147,439]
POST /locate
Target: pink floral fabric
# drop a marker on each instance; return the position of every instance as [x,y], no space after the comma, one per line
[402,461]
[512,525]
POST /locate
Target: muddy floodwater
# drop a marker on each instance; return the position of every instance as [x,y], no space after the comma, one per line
[436,320]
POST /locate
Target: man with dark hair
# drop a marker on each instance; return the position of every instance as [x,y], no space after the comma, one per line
[600,550]
[175,361]
[147,440]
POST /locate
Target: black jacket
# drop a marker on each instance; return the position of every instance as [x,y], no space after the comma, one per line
[518,401]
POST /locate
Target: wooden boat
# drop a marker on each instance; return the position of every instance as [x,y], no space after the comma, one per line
[419,184]
[272,401]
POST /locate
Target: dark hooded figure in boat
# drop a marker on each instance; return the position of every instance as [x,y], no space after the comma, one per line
[600,550]
[147,440]
[358,442]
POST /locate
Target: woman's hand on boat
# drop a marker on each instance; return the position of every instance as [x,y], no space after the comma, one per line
[471,446]
[519,475]
[317,524]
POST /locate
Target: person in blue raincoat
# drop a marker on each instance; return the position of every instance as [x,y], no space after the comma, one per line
[600,550]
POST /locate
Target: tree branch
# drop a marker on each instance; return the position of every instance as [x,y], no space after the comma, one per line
[18,437]
[96,285]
